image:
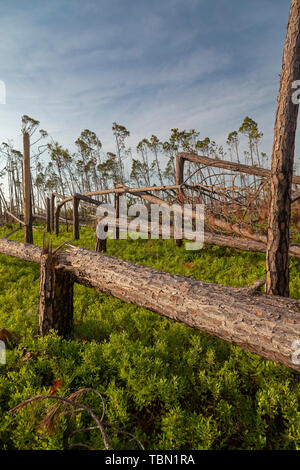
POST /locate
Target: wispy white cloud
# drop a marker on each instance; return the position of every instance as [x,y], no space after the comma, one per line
[186,64]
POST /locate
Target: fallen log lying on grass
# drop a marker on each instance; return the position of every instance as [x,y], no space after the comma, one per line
[263,324]
[242,243]
[210,238]
[251,241]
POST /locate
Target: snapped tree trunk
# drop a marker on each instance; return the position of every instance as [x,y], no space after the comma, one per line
[56,297]
[277,257]
[48,215]
[101,243]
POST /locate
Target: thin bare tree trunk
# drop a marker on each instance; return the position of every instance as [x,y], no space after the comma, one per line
[75,218]
[117,209]
[48,215]
[179,180]
[28,236]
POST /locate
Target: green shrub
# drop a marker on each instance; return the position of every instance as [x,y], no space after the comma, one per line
[169,385]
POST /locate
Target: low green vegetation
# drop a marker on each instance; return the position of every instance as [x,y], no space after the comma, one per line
[170,386]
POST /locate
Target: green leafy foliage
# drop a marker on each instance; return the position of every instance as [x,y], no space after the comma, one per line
[171,386]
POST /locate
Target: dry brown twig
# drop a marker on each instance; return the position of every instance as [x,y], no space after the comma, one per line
[72,400]
[133,437]
[57,409]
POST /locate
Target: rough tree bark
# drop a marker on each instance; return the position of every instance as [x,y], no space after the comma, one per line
[56,297]
[263,324]
[52,210]
[231,166]
[213,221]
[277,258]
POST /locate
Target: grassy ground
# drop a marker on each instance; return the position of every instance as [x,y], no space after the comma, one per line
[171,386]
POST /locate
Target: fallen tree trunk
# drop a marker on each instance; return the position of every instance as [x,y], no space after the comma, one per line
[263,324]
[90,200]
[119,190]
[210,238]
[295,196]
[56,297]
[282,164]
[14,217]
[231,166]
[24,251]
[257,238]
[210,219]
[241,243]
[43,218]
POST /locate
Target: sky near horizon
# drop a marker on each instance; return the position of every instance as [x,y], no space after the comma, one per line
[148,65]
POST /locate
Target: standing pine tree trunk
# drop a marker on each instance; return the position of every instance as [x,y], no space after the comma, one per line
[27,193]
[277,259]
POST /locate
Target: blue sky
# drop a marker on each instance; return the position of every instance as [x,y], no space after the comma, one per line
[149,65]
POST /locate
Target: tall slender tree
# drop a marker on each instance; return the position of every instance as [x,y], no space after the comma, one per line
[121,133]
[277,257]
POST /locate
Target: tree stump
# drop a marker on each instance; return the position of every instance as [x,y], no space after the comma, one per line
[56,297]
[117,209]
[101,244]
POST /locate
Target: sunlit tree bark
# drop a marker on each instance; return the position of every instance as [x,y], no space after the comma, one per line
[277,259]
